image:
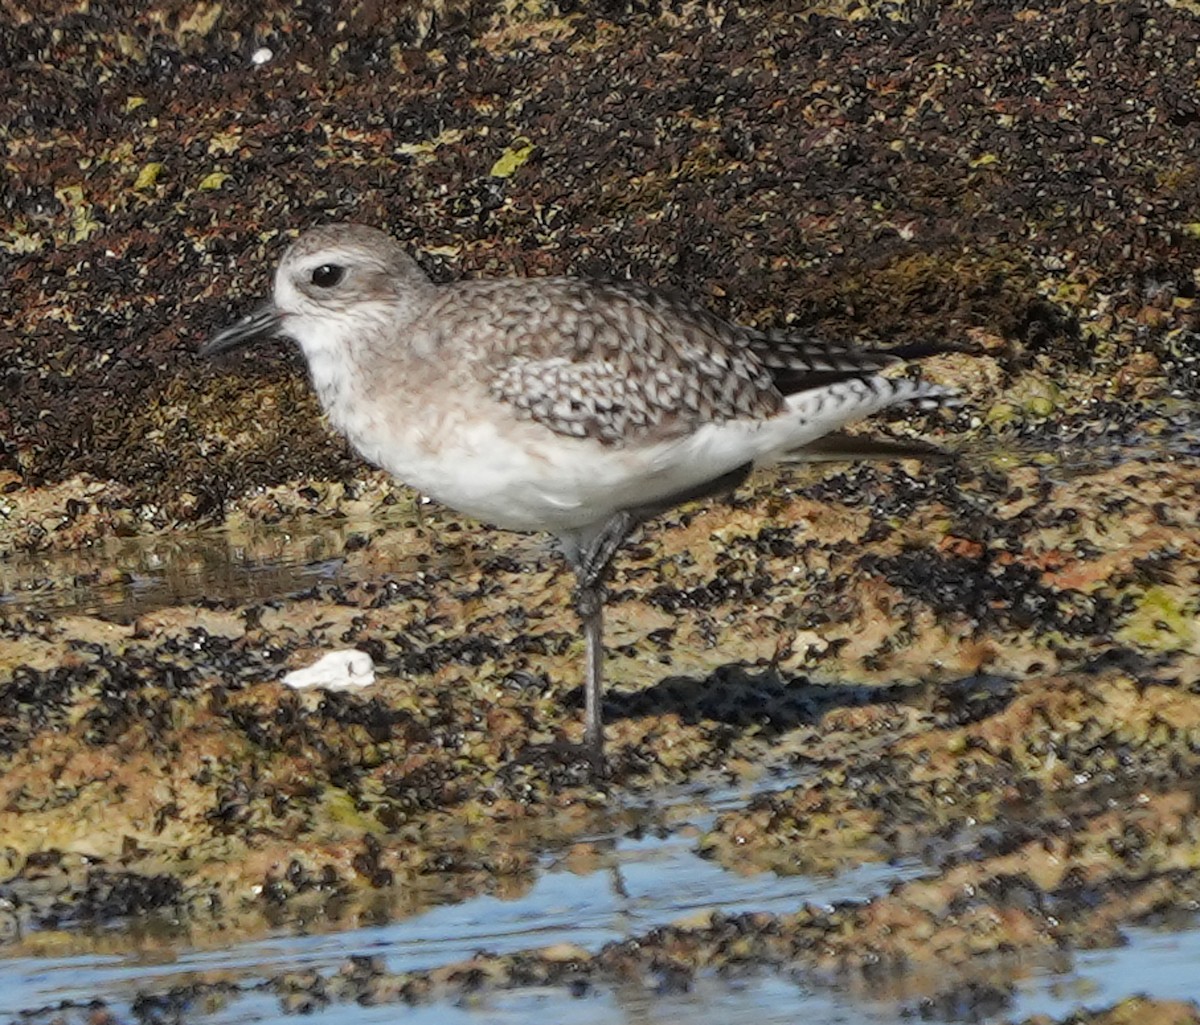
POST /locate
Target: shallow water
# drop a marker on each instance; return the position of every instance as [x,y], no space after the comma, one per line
[641,882]
[123,578]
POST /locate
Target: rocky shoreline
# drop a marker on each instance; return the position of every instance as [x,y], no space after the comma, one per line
[1004,648]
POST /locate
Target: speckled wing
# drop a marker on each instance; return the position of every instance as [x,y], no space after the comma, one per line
[598,361]
[796,362]
[618,362]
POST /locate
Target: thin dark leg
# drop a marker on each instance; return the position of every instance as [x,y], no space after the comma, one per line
[591,565]
[590,604]
[591,571]
[596,560]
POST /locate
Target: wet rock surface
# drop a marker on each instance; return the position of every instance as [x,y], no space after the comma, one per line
[989,666]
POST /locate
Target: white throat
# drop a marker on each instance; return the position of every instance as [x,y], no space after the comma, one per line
[330,344]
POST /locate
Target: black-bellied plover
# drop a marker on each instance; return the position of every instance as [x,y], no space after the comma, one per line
[554,404]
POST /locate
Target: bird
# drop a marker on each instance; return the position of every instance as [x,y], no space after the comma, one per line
[578,408]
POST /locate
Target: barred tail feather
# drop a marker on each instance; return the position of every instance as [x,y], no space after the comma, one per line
[815,420]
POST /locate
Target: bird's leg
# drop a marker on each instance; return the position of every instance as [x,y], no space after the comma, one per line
[589,603]
[591,570]
[596,559]
[592,563]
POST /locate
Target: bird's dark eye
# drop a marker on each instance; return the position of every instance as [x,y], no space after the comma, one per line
[328,275]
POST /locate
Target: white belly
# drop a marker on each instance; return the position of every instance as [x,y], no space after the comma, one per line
[470,453]
[522,476]
[529,478]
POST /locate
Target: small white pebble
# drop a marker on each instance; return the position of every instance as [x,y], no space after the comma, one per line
[261,56]
[339,670]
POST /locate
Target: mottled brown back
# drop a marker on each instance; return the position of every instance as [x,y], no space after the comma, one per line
[619,362]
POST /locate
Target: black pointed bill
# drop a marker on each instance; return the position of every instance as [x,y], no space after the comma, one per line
[265,322]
